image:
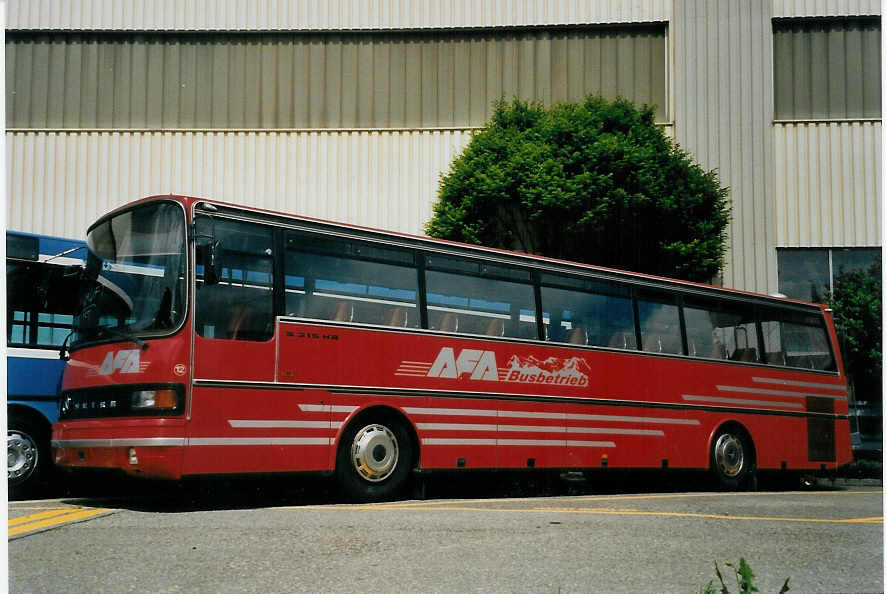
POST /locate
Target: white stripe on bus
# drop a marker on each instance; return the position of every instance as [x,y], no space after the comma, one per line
[536,429]
[446,441]
[326,408]
[430,441]
[738,401]
[590,444]
[777,392]
[467,412]
[118,443]
[258,441]
[782,382]
[270,424]
[612,431]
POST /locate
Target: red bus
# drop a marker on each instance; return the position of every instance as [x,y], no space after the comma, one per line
[214,339]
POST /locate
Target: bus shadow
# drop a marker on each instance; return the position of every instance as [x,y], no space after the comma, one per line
[199,494]
[262,491]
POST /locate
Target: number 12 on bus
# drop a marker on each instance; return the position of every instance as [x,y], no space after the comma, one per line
[216,339]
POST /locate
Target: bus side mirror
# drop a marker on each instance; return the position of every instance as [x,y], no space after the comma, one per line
[212,263]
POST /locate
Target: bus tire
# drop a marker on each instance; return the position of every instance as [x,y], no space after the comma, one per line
[374,458]
[732,458]
[27,449]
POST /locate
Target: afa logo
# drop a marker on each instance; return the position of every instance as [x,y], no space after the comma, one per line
[478,365]
[127,361]
[481,365]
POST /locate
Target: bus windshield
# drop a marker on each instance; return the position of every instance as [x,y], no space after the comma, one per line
[135,272]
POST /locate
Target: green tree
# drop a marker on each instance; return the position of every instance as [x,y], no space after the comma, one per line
[857,301]
[594,182]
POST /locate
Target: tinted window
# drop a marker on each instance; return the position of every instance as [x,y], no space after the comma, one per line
[659,323]
[23,247]
[718,329]
[240,306]
[803,273]
[476,305]
[597,313]
[826,68]
[348,287]
[40,303]
[850,259]
[796,339]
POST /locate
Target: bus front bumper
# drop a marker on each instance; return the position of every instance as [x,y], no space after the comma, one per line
[158,456]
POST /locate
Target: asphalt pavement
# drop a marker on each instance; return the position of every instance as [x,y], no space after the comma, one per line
[273,536]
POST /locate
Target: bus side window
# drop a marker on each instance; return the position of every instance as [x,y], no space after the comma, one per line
[240,305]
[719,329]
[40,303]
[796,340]
[344,280]
[659,323]
[595,312]
[469,304]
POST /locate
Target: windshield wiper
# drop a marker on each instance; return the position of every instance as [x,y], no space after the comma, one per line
[63,350]
[65,253]
[124,335]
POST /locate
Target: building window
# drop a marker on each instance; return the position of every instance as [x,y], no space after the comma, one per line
[808,273]
[277,80]
[826,68]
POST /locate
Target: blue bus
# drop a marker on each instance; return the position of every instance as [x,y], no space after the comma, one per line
[41,293]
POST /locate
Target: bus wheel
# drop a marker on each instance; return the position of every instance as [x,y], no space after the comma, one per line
[732,458]
[374,458]
[26,455]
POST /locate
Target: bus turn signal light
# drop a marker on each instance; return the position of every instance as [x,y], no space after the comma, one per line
[156,399]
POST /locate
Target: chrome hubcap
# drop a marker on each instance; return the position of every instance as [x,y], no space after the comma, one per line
[21,455]
[375,453]
[729,455]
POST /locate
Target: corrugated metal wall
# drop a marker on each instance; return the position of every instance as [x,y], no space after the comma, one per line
[60,182]
[827,68]
[286,81]
[825,8]
[252,15]
[64,181]
[723,115]
[802,184]
[828,184]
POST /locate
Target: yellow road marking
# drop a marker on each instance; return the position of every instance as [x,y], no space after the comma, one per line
[696,495]
[482,505]
[626,512]
[610,512]
[874,520]
[58,511]
[16,507]
[50,519]
[595,498]
[589,498]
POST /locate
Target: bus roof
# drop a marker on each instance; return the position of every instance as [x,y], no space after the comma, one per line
[31,246]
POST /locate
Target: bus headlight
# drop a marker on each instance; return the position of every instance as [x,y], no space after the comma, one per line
[154,399]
